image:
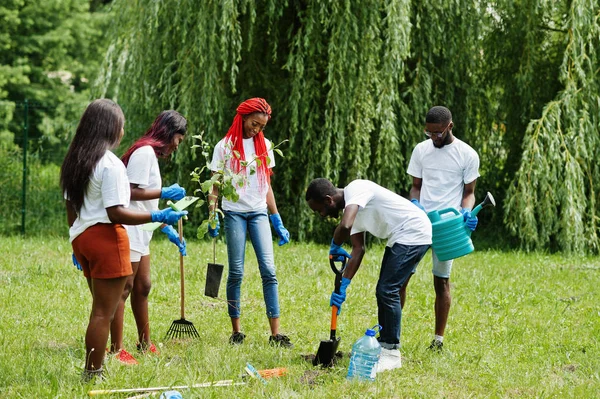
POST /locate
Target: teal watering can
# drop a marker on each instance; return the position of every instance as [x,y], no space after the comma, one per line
[451,236]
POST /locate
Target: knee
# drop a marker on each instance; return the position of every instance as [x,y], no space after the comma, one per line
[127,290]
[142,287]
[441,285]
[268,275]
[235,275]
[385,294]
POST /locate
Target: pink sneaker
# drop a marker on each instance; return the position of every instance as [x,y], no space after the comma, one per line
[125,357]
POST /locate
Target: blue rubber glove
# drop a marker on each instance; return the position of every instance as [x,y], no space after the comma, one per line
[284,235]
[338,299]
[174,238]
[174,192]
[214,232]
[338,253]
[470,220]
[418,204]
[75,262]
[167,216]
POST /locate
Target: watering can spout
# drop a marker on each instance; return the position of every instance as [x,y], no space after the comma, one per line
[487,201]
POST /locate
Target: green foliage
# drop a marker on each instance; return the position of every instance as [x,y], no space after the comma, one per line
[45,212]
[48,53]
[351,81]
[553,201]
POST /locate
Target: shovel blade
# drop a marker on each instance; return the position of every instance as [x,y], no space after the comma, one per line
[213,279]
[326,352]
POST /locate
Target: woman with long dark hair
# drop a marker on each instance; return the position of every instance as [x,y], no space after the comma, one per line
[245,150]
[143,172]
[96,189]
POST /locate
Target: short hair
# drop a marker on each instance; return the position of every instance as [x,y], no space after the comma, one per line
[438,114]
[318,189]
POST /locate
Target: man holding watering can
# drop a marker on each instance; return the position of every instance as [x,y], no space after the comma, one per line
[369,207]
[444,171]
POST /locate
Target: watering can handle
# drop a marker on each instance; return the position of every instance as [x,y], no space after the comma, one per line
[448,210]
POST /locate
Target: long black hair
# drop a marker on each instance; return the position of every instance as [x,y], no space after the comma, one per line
[98,131]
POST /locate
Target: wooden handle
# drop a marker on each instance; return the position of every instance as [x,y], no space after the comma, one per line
[180,226]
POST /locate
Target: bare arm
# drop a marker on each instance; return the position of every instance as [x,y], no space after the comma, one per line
[213,197]
[342,231]
[71,215]
[144,194]
[358,251]
[120,214]
[271,205]
[415,190]
[468,200]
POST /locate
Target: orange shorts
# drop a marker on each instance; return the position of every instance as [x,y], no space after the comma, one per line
[103,251]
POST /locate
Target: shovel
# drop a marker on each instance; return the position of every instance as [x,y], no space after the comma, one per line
[328,348]
[213,275]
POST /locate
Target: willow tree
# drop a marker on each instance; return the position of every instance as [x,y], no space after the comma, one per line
[331,71]
[351,80]
[554,199]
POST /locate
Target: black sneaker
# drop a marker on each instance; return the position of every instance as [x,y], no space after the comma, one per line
[93,375]
[280,340]
[237,338]
[436,345]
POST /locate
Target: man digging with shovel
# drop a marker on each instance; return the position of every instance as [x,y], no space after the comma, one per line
[369,207]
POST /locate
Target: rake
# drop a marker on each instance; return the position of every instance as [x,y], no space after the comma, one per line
[182,328]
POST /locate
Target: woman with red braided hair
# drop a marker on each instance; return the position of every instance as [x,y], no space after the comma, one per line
[246,151]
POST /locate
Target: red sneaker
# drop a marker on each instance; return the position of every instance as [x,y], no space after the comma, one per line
[125,357]
[152,349]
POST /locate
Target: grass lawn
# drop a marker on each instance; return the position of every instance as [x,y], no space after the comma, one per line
[521,325]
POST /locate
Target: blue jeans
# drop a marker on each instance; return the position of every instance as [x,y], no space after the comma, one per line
[256,224]
[397,265]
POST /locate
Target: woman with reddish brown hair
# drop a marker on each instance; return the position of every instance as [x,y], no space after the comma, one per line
[244,150]
[141,160]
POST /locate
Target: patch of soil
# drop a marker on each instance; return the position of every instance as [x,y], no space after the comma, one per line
[311,357]
[310,377]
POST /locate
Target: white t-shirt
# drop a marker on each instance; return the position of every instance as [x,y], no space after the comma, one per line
[444,171]
[143,170]
[108,187]
[253,197]
[387,215]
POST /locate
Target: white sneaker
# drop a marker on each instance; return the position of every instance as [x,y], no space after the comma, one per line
[390,359]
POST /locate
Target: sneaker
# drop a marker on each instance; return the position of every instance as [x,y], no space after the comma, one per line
[145,349]
[436,345]
[390,359]
[125,357]
[95,375]
[237,338]
[280,340]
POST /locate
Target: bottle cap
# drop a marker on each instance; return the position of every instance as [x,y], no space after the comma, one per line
[371,331]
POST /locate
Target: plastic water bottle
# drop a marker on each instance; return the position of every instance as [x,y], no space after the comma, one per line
[171,395]
[364,357]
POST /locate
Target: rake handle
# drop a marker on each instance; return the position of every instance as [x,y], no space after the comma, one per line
[181,271]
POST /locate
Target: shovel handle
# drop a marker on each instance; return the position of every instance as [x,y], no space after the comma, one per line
[334,310]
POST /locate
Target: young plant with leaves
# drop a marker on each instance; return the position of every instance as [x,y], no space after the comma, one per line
[225,179]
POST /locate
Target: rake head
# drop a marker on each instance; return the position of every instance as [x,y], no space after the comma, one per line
[182,328]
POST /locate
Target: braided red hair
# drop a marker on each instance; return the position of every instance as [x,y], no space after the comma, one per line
[235,135]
